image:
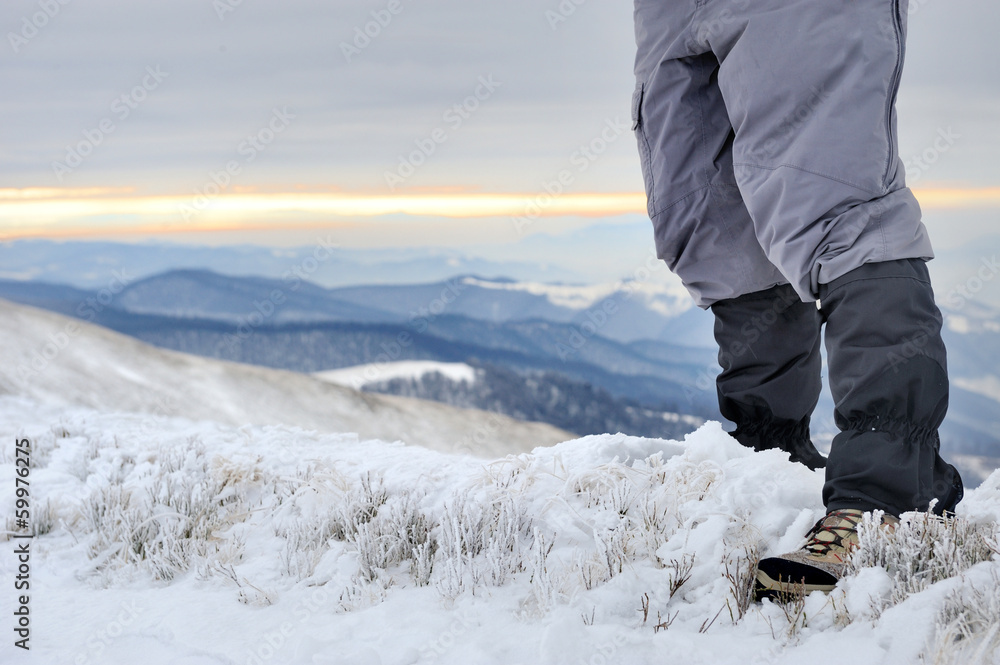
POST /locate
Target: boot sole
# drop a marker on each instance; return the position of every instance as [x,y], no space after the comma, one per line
[767,587]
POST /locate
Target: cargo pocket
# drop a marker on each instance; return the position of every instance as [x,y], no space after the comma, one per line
[645,154]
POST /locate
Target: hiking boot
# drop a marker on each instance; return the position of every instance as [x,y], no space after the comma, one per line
[819,564]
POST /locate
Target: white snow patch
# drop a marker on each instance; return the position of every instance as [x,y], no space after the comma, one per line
[570,296]
[360,375]
[204,539]
[665,299]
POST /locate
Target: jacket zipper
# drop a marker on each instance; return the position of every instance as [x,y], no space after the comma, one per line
[893,88]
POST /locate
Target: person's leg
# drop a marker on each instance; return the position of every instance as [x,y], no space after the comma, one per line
[888,375]
[769,350]
[810,89]
[815,158]
[701,226]
[769,342]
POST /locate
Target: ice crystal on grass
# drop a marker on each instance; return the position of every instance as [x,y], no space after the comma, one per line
[968,626]
[480,542]
[921,550]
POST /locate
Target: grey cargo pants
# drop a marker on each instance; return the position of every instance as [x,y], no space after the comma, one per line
[767,136]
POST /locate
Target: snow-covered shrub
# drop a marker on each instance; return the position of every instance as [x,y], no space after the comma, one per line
[968,626]
[398,532]
[158,513]
[249,594]
[740,566]
[543,589]
[304,543]
[422,563]
[42,521]
[480,541]
[361,594]
[127,532]
[359,506]
[614,547]
[921,550]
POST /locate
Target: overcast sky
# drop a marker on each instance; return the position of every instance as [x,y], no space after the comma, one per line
[447,98]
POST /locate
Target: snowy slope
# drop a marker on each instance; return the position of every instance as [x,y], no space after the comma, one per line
[56,360]
[203,544]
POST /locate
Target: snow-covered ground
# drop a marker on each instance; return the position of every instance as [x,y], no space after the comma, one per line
[205,543]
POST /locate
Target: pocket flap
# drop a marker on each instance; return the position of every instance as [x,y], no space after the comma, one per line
[637,107]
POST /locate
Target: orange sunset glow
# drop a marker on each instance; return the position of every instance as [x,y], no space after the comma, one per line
[52,212]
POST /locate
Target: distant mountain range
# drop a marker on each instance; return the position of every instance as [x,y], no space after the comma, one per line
[604,252]
[638,348]
[91,264]
[309,329]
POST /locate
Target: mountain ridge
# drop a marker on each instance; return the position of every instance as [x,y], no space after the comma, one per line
[90,366]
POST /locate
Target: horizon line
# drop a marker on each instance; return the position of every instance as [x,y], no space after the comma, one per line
[85,212]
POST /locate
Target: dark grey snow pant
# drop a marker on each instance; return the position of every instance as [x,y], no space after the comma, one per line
[767,137]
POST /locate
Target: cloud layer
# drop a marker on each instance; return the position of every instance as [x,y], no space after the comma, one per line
[386,96]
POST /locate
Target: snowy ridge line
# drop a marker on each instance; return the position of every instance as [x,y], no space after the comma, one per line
[289,546]
[668,299]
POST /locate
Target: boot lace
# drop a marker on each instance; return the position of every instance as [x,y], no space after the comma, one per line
[837,530]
